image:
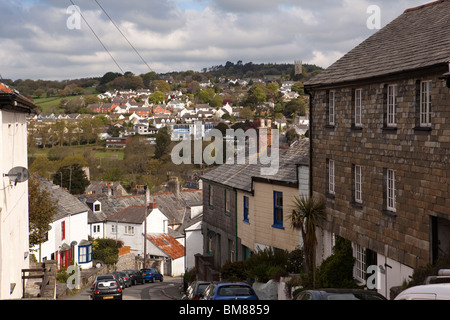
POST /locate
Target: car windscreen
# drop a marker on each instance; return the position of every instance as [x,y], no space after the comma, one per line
[106,285]
[235,290]
[201,287]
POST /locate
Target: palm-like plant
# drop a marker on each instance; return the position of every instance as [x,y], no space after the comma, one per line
[306,216]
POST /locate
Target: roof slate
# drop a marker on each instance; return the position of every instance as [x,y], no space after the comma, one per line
[416,39]
[66,204]
[240,176]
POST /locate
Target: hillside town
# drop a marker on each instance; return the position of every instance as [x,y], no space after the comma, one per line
[362,181]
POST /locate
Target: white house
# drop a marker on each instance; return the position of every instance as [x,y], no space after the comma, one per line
[68,235]
[14,229]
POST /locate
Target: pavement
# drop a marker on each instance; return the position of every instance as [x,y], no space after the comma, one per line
[175,291]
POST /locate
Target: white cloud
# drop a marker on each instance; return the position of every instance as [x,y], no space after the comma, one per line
[180,34]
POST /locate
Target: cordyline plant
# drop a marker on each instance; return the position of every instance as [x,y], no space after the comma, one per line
[306,216]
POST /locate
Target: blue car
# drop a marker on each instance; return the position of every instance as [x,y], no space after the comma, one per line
[151,274]
[229,291]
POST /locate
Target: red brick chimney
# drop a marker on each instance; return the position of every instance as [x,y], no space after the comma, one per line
[153,205]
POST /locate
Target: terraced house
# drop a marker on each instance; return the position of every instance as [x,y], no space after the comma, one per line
[244,210]
[380,145]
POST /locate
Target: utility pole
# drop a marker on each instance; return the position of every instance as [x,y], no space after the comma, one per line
[145,228]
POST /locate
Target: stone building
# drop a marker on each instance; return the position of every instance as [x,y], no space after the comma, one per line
[380,145]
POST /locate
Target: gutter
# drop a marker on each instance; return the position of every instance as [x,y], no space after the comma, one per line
[311,96]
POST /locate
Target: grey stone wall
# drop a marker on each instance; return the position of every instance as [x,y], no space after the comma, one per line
[420,158]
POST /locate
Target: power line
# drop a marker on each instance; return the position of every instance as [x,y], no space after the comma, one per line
[124,36]
[97,37]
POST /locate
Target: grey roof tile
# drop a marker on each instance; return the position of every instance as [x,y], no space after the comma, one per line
[240,176]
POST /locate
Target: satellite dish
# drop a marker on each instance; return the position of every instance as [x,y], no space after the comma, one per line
[18,174]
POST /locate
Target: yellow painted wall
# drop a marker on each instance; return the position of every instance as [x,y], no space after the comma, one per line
[259,230]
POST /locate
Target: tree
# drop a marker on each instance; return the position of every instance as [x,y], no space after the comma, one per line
[106,250]
[73,178]
[42,166]
[163,140]
[306,217]
[157,97]
[41,211]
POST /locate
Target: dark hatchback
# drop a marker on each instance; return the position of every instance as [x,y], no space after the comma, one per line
[135,276]
[195,290]
[107,290]
[339,294]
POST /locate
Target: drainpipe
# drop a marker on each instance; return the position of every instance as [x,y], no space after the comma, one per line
[310,94]
[236,222]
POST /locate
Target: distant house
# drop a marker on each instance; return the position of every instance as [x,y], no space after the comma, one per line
[68,236]
[176,105]
[102,107]
[141,111]
[14,231]
[117,142]
[161,110]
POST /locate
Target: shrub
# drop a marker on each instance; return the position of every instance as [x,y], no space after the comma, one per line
[337,270]
[234,271]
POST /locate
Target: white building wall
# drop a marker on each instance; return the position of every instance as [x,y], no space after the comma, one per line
[14,229]
[194,244]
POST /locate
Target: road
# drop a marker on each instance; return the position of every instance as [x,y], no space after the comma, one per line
[147,291]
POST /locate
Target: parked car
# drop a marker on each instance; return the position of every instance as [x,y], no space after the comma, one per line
[151,274]
[126,278]
[437,291]
[103,277]
[120,279]
[135,276]
[195,290]
[339,294]
[229,291]
[107,290]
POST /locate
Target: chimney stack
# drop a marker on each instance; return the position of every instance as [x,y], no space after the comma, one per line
[174,186]
[153,205]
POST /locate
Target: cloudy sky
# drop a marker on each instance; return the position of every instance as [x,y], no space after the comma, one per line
[44,39]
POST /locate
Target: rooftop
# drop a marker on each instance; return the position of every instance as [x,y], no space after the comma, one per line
[241,176]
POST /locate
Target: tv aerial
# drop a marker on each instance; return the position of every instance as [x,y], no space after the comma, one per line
[18,174]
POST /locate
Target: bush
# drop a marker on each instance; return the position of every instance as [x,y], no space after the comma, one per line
[337,270]
[106,250]
[234,271]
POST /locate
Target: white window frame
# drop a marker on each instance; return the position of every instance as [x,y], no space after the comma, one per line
[425,103]
[332,108]
[358,184]
[358,108]
[390,191]
[331,177]
[359,270]
[391,112]
[129,230]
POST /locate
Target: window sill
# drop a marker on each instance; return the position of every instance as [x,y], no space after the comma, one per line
[423,129]
[277,226]
[246,221]
[330,195]
[390,129]
[330,126]
[390,213]
[357,205]
[356,128]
